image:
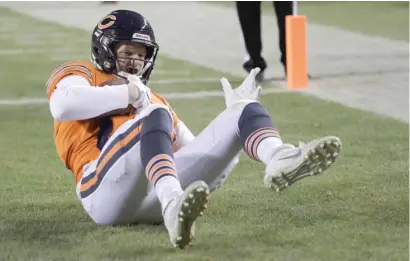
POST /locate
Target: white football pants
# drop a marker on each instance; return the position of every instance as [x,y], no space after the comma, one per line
[124,195]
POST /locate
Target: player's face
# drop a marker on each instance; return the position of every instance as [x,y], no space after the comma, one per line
[130,57]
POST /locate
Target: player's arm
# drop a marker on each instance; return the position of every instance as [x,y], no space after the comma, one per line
[183,135]
[75,99]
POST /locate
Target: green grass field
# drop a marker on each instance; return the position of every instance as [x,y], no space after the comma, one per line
[358,211]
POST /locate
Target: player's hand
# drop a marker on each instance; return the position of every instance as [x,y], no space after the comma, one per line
[139,93]
[248,90]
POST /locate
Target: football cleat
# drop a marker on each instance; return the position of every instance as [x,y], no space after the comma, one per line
[290,164]
[180,219]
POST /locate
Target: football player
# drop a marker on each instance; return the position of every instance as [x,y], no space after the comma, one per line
[134,160]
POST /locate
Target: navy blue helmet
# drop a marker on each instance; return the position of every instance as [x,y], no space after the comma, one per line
[122,26]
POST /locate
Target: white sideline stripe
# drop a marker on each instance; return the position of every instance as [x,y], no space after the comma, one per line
[24,101]
[172,72]
[186,80]
[171,95]
[206,94]
[22,51]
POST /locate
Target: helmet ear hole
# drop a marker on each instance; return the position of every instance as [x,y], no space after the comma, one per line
[109,65]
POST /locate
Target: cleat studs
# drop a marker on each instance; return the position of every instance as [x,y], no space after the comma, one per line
[205,206]
[186,204]
[322,145]
[181,213]
[179,238]
[181,219]
[312,165]
[319,170]
[335,154]
[191,195]
[200,189]
[201,213]
[329,163]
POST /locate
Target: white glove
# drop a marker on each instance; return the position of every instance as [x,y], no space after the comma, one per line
[245,92]
[139,94]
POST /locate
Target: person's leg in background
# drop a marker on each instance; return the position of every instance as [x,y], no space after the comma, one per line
[282,9]
[249,14]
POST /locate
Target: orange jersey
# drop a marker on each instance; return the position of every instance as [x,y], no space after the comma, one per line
[77,141]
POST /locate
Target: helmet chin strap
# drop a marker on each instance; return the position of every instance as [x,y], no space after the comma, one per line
[139,73]
[123,74]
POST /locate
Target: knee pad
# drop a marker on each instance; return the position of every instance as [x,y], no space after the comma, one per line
[153,107]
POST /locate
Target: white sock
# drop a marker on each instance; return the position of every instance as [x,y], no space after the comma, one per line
[267,147]
[167,188]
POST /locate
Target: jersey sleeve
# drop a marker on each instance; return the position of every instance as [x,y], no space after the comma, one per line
[72,68]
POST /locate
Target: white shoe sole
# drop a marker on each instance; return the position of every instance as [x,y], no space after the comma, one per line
[315,161]
[192,205]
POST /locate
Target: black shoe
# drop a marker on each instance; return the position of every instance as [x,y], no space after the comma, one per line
[249,65]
